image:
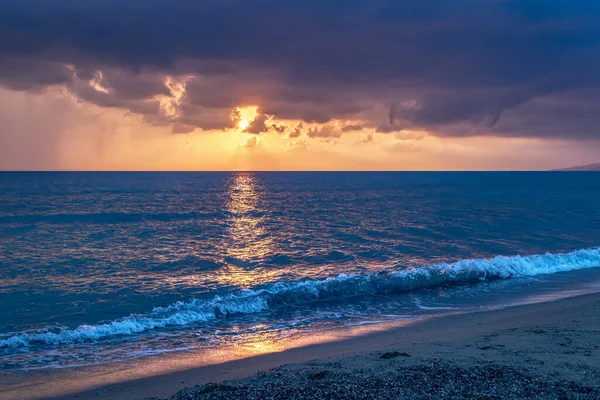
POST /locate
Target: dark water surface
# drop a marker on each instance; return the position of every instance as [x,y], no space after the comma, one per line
[97,267]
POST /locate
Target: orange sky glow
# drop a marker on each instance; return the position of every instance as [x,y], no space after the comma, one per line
[59,132]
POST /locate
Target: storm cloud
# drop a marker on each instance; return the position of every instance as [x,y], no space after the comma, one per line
[450,67]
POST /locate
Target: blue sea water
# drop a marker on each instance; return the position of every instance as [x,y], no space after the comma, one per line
[101,267]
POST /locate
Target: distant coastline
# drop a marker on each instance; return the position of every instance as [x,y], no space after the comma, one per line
[588,167]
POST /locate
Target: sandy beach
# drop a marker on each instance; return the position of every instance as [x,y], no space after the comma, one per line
[544,350]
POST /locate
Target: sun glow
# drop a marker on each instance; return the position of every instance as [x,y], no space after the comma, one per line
[243,124]
[245,115]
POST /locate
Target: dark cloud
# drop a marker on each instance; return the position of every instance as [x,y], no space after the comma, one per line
[325,132]
[311,113]
[263,123]
[573,114]
[134,86]
[388,128]
[352,128]
[250,142]
[453,67]
[31,73]
[220,90]
[296,132]
[258,124]
[205,118]
[279,128]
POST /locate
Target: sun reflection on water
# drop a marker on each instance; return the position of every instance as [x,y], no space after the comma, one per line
[249,241]
[245,245]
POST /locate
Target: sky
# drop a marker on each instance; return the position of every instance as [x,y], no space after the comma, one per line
[299,84]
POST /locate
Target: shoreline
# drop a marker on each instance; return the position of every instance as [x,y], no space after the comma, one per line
[551,340]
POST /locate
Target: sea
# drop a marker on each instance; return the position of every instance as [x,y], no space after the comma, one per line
[99,268]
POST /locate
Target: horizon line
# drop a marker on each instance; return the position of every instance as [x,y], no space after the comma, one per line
[289,171]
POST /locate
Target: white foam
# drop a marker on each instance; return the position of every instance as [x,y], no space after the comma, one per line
[280,294]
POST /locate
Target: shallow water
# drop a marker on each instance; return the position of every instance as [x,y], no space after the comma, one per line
[97,267]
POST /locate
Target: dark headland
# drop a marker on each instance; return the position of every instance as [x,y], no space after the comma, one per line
[588,167]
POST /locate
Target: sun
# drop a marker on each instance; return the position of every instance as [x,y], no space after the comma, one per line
[243,124]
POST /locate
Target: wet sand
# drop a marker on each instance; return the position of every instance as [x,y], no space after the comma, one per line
[544,350]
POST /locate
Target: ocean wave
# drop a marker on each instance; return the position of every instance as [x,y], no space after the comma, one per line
[278,295]
[199,263]
[107,217]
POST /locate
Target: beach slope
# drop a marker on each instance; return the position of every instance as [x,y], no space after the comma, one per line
[540,351]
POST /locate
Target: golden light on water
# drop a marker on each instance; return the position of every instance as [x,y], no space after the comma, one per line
[246,241]
[249,239]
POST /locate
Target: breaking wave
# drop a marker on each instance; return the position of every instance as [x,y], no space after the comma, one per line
[278,295]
